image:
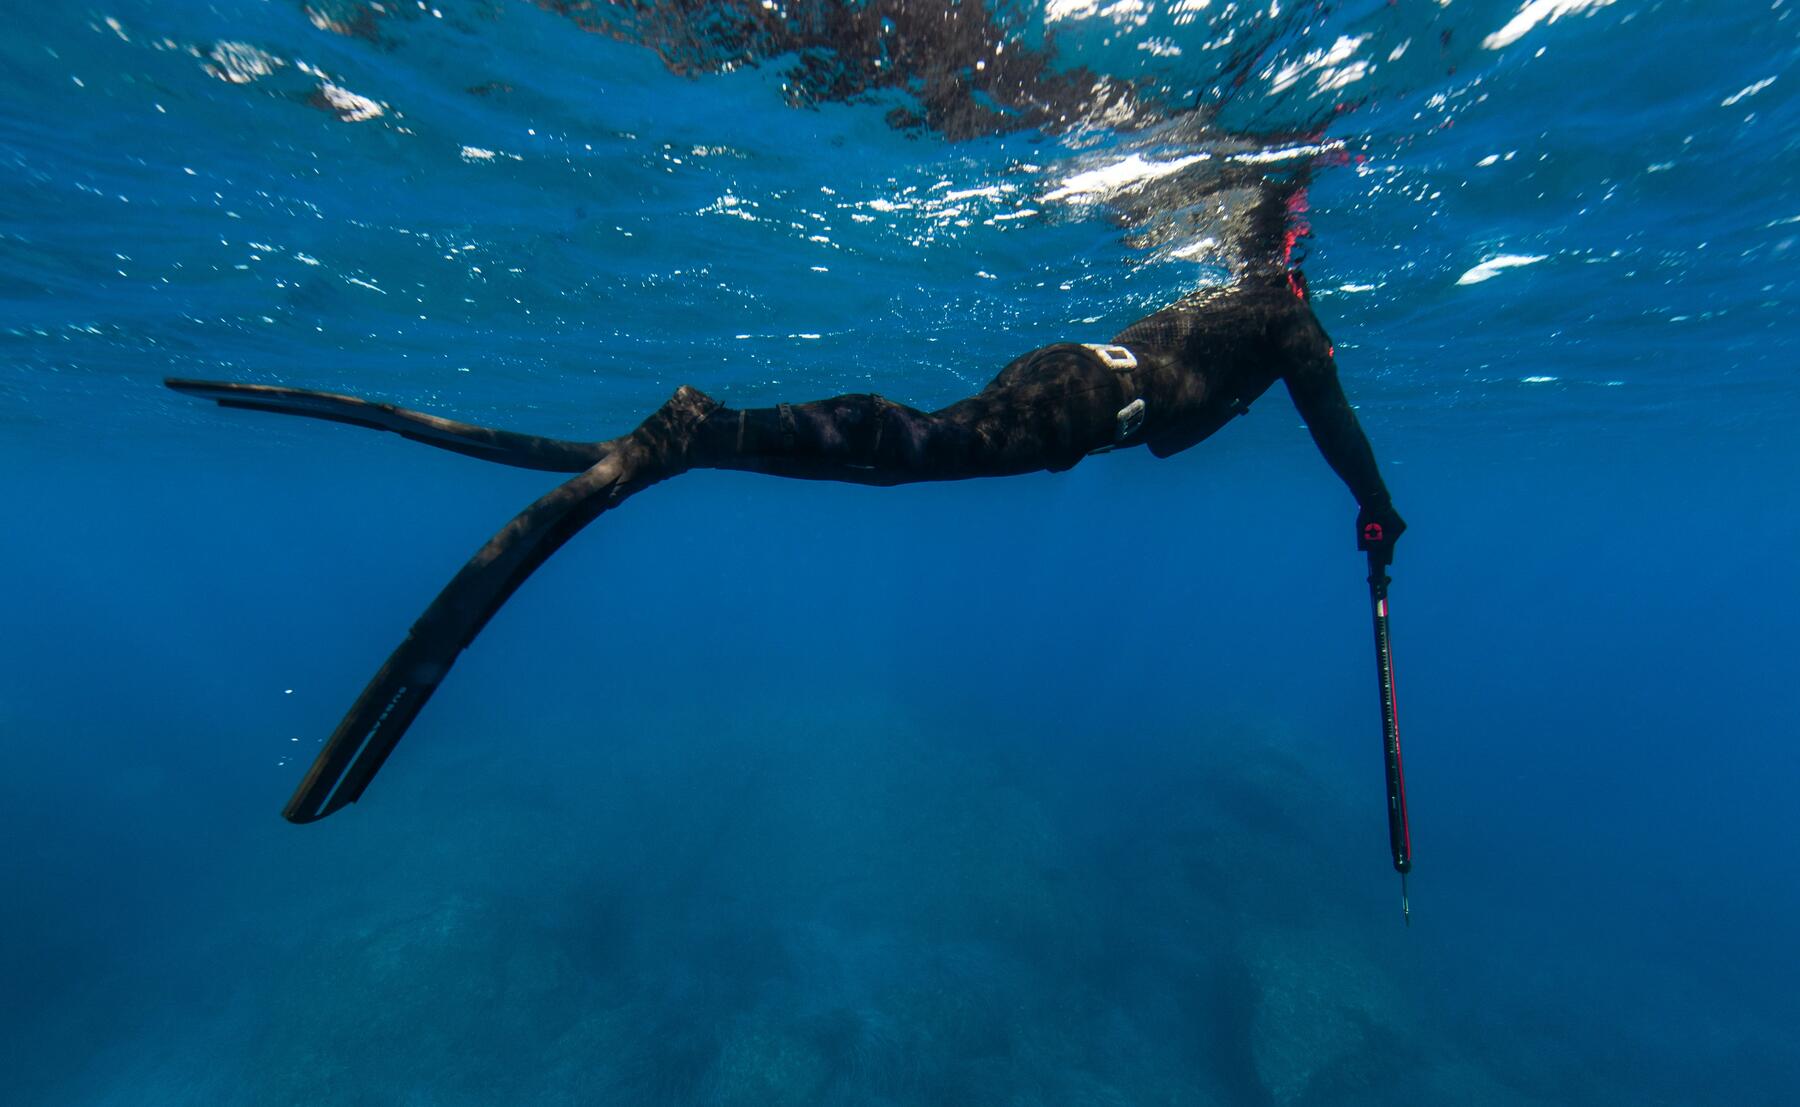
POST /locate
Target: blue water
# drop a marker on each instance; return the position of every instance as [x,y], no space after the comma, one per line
[1061,789]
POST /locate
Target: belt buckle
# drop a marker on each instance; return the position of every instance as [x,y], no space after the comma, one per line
[1113,357]
[1131,420]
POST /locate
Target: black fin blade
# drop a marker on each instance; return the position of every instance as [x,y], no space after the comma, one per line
[525,451]
[369,732]
[378,720]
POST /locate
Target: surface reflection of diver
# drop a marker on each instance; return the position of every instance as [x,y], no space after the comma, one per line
[1166,382]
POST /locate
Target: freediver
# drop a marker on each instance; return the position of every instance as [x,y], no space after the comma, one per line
[1166,382]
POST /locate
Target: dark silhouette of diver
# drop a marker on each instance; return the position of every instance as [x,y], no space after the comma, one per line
[1166,382]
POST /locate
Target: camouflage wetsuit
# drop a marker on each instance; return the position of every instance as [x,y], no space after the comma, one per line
[1166,382]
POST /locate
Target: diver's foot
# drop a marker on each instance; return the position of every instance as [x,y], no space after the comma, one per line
[663,445]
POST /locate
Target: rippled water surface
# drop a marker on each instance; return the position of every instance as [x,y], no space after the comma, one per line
[1056,790]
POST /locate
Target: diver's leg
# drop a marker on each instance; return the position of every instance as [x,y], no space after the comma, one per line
[527,451]
[393,698]
[1047,410]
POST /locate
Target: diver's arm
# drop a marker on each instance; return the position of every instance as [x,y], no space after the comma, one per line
[1313,383]
[1321,402]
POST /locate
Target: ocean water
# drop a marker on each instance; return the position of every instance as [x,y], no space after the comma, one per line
[1060,789]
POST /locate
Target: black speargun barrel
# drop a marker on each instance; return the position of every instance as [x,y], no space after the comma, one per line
[1399,833]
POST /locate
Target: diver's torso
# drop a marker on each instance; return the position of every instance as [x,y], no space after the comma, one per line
[1203,360]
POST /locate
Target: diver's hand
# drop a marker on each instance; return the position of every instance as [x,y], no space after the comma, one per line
[1378,527]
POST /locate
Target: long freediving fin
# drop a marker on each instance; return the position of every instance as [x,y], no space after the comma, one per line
[526,451]
[361,743]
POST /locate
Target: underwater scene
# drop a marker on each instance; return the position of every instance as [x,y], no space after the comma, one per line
[886,748]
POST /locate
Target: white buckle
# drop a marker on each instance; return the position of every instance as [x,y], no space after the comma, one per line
[1113,357]
[1131,419]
